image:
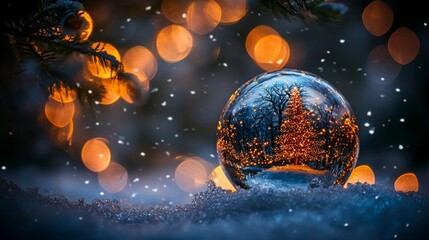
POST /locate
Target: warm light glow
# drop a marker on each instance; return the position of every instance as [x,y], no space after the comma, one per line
[191,175]
[112,89]
[403,45]
[139,59]
[174,43]
[221,180]
[62,94]
[175,10]
[297,168]
[88,30]
[232,11]
[133,91]
[271,52]
[381,67]
[377,18]
[407,182]
[96,67]
[203,16]
[267,48]
[59,114]
[61,136]
[361,174]
[96,154]
[114,178]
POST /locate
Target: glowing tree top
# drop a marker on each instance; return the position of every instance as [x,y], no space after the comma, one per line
[287,118]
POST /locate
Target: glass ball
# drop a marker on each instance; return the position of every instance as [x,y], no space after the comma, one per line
[288,121]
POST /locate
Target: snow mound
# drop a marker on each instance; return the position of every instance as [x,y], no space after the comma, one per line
[359,212]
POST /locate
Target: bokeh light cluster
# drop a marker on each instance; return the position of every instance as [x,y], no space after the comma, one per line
[403,45]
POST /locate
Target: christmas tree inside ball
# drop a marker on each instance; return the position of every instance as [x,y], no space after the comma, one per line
[287,128]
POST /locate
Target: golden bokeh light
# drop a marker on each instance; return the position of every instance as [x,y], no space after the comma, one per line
[133,91]
[221,180]
[96,67]
[403,45]
[377,17]
[191,175]
[380,65]
[62,94]
[90,25]
[175,10]
[174,43]
[139,59]
[58,113]
[407,182]
[232,11]
[203,16]
[112,93]
[61,136]
[361,174]
[272,52]
[114,178]
[96,154]
[267,48]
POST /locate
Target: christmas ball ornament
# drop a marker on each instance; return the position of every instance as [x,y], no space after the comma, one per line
[287,126]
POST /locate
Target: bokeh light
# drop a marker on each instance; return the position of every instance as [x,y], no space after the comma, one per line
[58,113]
[191,175]
[112,91]
[175,10]
[96,154]
[403,45]
[97,68]
[62,94]
[203,16]
[221,180]
[377,18]
[174,43]
[267,48]
[139,59]
[61,136]
[407,182]
[134,90]
[361,174]
[380,65]
[232,11]
[90,25]
[114,178]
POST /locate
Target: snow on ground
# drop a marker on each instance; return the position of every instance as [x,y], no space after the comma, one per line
[358,212]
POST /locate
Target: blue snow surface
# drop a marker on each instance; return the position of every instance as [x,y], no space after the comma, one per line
[359,212]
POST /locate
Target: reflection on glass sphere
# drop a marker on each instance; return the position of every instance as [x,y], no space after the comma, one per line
[287,118]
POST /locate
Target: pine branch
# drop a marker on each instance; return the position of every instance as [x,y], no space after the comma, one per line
[307,11]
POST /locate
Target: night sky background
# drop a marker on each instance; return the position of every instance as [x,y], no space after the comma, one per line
[147,143]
